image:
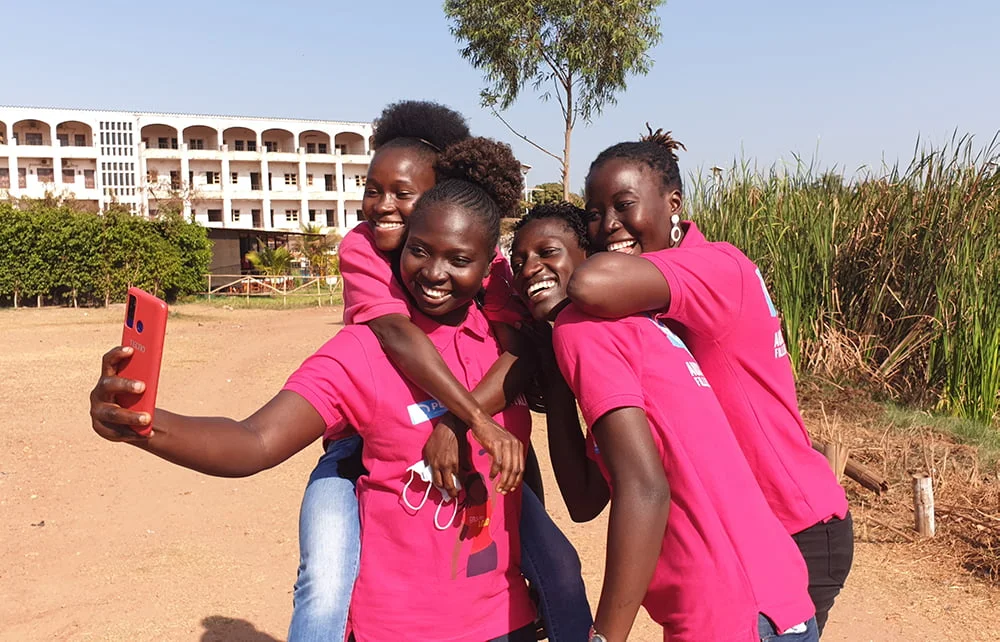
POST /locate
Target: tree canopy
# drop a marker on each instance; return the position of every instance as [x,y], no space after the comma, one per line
[581,51]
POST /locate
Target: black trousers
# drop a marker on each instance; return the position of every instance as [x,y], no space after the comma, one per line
[828,550]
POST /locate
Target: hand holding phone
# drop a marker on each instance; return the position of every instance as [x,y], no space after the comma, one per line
[144,330]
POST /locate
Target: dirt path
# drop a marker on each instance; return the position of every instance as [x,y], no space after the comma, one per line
[103,542]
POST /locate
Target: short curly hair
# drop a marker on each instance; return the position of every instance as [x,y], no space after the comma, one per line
[571,216]
[419,124]
[658,150]
[480,175]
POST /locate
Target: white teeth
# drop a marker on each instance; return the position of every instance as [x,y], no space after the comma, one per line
[534,288]
[387,225]
[621,246]
[434,293]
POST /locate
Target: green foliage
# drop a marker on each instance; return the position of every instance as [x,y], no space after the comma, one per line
[893,278]
[271,261]
[583,50]
[548,193]
[71,256]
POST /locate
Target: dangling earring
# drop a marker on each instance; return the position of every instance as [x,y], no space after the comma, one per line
[675,231]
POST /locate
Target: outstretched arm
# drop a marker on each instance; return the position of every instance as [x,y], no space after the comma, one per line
[212,445]
[613,285]
[638,518]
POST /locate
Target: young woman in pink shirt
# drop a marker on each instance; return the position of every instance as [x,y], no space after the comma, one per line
[409,137]
[714,298]
[690,534]
[431,567]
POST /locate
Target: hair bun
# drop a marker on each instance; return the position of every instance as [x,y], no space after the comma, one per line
[660,137]
[488,164]
[423,120]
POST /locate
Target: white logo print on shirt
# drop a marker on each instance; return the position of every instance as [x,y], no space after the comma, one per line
[693,368]
[780,350]
[425,411]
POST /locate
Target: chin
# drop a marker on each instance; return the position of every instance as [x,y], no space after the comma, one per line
[389,241]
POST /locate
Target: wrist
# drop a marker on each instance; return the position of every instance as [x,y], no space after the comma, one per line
[594,636]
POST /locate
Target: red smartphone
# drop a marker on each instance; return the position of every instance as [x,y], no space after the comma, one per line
[144,330]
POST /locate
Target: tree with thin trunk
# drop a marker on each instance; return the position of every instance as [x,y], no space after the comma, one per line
[581,51]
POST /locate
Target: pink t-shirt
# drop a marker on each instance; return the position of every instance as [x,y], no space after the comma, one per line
[372,291]
[725,556]
[417,580]
[720,308]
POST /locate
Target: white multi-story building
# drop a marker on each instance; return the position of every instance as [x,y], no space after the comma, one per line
[229,172]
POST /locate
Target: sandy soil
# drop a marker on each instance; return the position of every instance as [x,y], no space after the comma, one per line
[100,541]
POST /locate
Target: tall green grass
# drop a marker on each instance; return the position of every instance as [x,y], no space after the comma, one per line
[891,276]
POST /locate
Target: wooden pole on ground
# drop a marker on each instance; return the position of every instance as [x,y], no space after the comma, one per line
[923,505]
[860,473]
[836,456]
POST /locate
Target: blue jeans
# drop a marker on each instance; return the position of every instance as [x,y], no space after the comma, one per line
[767,631]
[551,564]
[330,547]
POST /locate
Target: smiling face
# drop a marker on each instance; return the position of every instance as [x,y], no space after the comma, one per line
[627,208]
[397,177]
[444,261]
[543,257]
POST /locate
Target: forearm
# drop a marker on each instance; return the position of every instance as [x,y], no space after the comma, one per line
[228,448]
[211,445]
[580,482]
[417,358]
[612,285]
[635,536]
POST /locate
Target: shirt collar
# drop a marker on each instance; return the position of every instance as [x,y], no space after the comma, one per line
[692,235]
[474,324]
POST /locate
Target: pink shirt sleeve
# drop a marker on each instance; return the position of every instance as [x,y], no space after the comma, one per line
[706,287]
[598,358]
[501,303]
[370,290]
[338,382]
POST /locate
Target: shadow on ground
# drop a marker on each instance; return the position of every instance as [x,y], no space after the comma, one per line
[219,628]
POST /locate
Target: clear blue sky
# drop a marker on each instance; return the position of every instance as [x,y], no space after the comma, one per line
[848,82]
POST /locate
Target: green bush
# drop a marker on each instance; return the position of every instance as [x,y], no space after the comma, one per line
[68,256]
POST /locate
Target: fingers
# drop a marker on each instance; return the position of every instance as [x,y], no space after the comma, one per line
[508,462]
[112,358]
[113,415]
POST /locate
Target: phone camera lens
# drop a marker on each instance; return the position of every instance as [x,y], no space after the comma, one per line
[138,326]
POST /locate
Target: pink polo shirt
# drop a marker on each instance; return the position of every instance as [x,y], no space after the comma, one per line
[725,556]
[372,291]
[723,312]
[417,581]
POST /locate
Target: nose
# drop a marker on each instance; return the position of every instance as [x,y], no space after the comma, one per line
[609,222]
[434,272]
[385,204]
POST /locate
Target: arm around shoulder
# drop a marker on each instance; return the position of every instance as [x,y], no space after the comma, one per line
[612,285]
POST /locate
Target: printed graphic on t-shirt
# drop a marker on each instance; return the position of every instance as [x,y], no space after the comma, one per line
[425,411]
[693,368]
[697,374]
[477,509]
[767,296]
[780,350]
[675,340]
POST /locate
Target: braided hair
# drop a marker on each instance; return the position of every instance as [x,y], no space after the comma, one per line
[571,216]
[424,126]
[658,150]
[481,176]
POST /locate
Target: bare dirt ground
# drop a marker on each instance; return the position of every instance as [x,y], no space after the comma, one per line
[100,541]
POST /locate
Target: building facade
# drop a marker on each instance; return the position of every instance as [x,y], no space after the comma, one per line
[229,172]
